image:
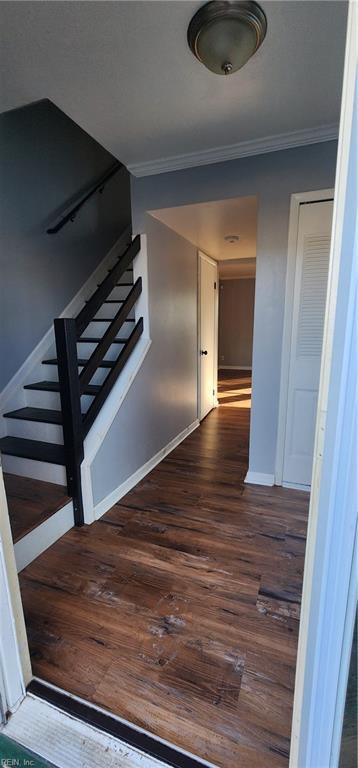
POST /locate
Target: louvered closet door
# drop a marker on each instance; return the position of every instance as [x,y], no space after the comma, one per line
[313,243]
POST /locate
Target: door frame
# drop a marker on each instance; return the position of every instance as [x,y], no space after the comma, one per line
[327,618]
[297,198]
[15,665]
[205,257]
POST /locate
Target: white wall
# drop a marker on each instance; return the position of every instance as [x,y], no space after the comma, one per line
[162,400]
[273,177]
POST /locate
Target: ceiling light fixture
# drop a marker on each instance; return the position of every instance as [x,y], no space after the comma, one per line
[232,238]
[224,34]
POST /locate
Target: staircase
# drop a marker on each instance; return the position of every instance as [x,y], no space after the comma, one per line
[91,351]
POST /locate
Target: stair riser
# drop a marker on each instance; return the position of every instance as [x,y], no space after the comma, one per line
[50,373]
[120,292]
[110,310]
[39,470]
[35,430]
[85,351]
[42,399]
[98,329]
[127,277]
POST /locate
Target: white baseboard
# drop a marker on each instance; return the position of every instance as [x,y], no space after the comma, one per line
[121,490]
[235,367]
[12,395]
[259,478]
[38,540]
[296,486]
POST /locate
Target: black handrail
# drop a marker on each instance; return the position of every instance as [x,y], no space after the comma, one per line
[72,213]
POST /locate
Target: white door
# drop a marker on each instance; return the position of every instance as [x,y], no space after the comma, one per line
[207,334]
[310,290]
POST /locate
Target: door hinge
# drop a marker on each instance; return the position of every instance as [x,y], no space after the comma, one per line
[215,285]
[213,391]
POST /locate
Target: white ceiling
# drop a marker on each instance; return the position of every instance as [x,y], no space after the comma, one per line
[124,72]
[206,224]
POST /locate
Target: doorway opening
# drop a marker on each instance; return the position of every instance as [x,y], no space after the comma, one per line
[225,234]
[178,610]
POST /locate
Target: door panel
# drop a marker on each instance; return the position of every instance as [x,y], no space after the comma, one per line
[207,344]
[312,260]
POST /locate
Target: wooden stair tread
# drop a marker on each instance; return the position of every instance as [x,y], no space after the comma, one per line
[51,453]
[94,340]
[81,362]
[111,301]
[53,386]
[36,414]
[118,285]
[110,319]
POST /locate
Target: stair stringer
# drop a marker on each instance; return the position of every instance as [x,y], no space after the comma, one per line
[105,418]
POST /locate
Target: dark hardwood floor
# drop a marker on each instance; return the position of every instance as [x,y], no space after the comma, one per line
[179,609]
[234,388]
[31,502]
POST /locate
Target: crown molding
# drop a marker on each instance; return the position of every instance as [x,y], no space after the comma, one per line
[234,151]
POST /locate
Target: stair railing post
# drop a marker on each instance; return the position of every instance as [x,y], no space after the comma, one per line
[66,345]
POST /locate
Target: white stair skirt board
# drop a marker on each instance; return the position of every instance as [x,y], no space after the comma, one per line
[134,479]
[235,367]
[70,743]
[42,537]
[259,478]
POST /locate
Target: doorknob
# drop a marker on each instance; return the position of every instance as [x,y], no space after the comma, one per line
[203,351]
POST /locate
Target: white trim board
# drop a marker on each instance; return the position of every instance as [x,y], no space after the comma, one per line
[296,486]
[124,488]
[13,391]
[112,405]
[248,148]
[322,660]
[12,685]
[41,538]
[259,478]
[235,367]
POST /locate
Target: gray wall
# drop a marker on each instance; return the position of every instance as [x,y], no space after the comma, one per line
[46,161]
[236,321]
[162,400]
[272,177]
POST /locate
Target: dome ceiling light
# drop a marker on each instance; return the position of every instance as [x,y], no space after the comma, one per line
[224,34]
[232,238]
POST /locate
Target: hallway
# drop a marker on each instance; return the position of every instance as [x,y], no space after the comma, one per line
[178,610]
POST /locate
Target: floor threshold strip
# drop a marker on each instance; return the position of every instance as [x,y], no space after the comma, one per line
[106,723]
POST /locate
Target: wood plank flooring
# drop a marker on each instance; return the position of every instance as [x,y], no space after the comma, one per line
[179,609]
[234,388]
[31,502]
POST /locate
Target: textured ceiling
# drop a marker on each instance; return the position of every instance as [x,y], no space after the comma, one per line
[206,224]
[124,72]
